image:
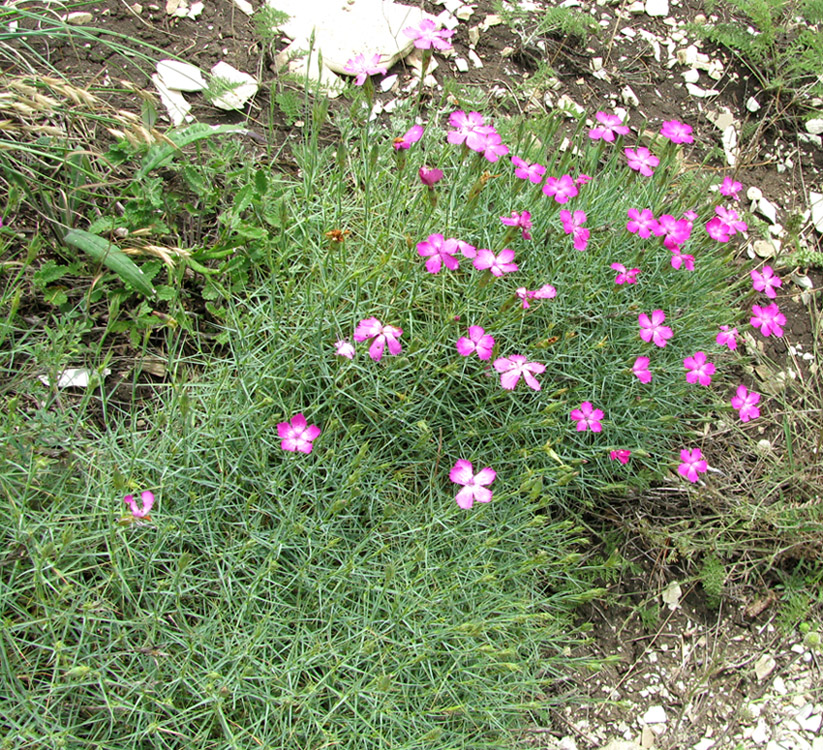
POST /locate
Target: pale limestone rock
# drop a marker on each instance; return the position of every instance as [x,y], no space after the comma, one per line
[244,87]
[244,6]
[816,201]
[657,8]
[181,76]
[692,75]
[654,715]
[629,98]
[475,59]
[175,103]
[752,104]
[78,18]
[815,127]
[461,64]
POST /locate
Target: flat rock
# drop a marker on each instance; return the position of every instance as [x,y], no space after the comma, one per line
[175,103]
[657,8]
[654,715]
[181,76]
[816,201]
[243,86]
[78,18]
[815,127]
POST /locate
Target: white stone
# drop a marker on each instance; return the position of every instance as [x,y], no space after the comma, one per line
[754,194]
[464,13]
[752,104]
[816,203]
[474,36]
[671,595]
[687,56]
[729,141]
[570,106]
[692,75]
[175,103]
[815,127]
[75,377]
[654,715]
[78,18]
[181,76]
[700,93]
[812,724]
[638,6]
[765,665]
[768,209]
[388,82]
[760,734]
[779,684]
[461,64]
[195,10]
[244,87]
[628,97]
[657,8]
[244,6]
[475,58]
[705,744]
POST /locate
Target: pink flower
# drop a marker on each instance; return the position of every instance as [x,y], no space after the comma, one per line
[623,455]
[547,291]
[561,189]
[727,337]
[653,330]
[642,222]
[730,188]
[525,171]
[372,327]
[344,349]
[439,252]
[522,220]
[674,231]
[766,282]
[587,418]
[768,319]
[525,295]
[147,499]
[677,132]
[690,215]
[493,147]
[573,225]
[474,485]
[746,403]
[641,369]
[469,130]
[699,370]
[624,276]
[582,179]
[427,36]
[730,218]
[692,464]
[679,258]
[642,160]
[468,251]
[610,125]
[497,264]
[412,135]
[478,341]
[718,230]
[297,435]
[430,177]
[511,368]
[362,69]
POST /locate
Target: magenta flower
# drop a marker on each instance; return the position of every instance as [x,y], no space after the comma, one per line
[412,135]
[511,368]
[675,232]
[477,341]
[653,329]
[768,319]
[430,177]
[525,295]
[493,147]
[746,403]
[497,264]
[547,291]
[440,252]
[573,225]
[147,500]
[344,349]
[561,189]
[582,179]
[474,485]
[642,223]
[610,126]
[692,464]
[522,220]
[677,132]
[469,251]
[690,216]
[587,418]
[297,435]
[730,188]
[426,35]
[373,328]
[622,454]
[624,275]
[699,370]
[525,171]
[469,130]
[642,160]
[766,282]
[727,337]
[641,369]
[730,218]
[718,230]
[680,259]
[362,68]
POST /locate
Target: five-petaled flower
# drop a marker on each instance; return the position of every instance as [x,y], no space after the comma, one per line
[745,402]
[522,220]
[766,282]
[652,329]
[677,132]
[372,327]
[587,417]
[698,369]
[692,464]
[477,341]
[727,337]
[430,177]
[621,454]
[624,275]
[412,135]
[730,188]
[440,252]
[642,223]
[768,319]
[573,225]
[610,126]
[641,160]
[680,258]
[497,264]
[560,188]
[475,486]
[525,171]
[296,435]
[147,499]
[511,368]
[343,348]
[362,68]
[641,369]
[469,129]
[427,35]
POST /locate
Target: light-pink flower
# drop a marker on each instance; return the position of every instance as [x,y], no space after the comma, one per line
[653,329]
[475,486]
[497,264]
[547,291]
[477,341]
[587,417]
[768,319]
[698,370]
[427,35]
[147,500]
[641,369]
[522,220]
[430,177]
[641,160]
[642,222]
[730,188]
[511,368]
[766,282]
[573,225]
[412,135]
[297,435]
[680,258]
[344,348]
[362,68]
[692,464]
[469,129]
[372,327]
